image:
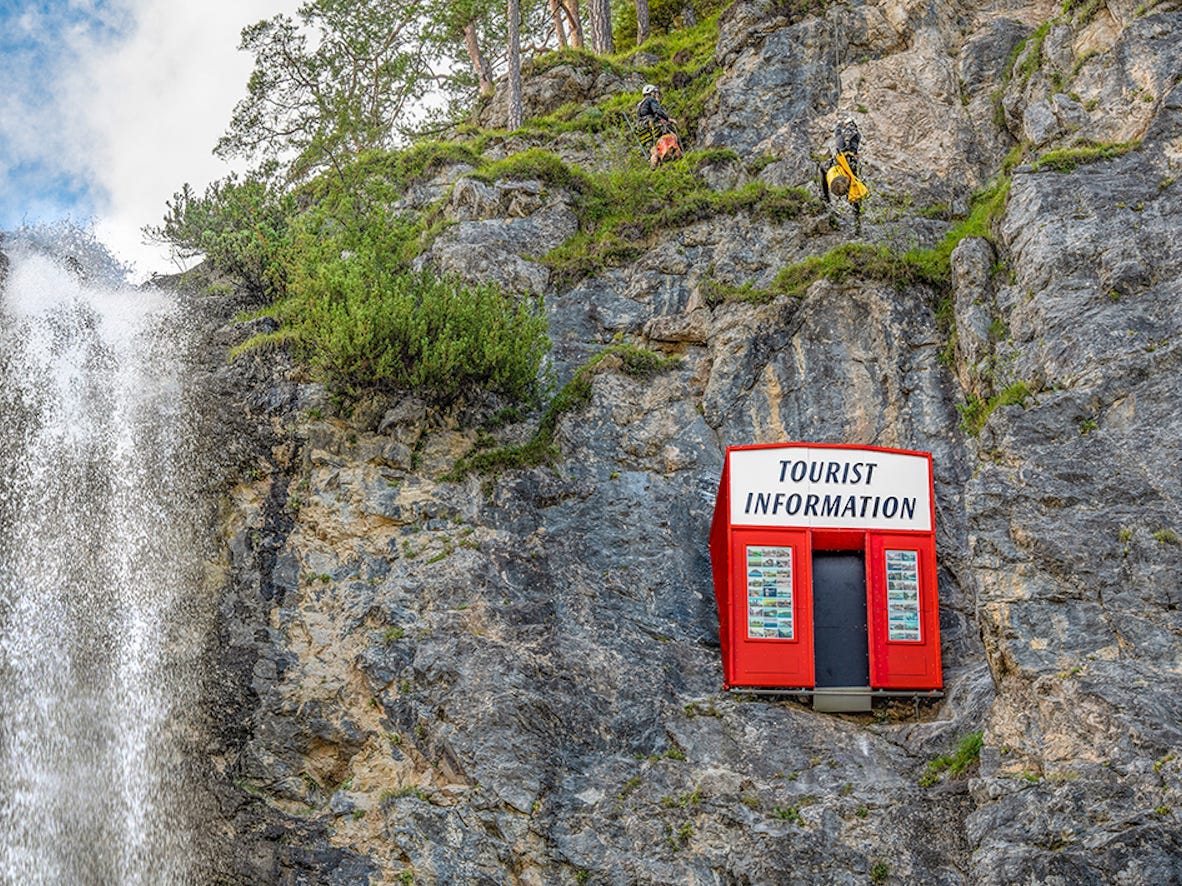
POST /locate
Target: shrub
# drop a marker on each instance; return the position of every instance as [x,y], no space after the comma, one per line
[240,225]
[415,331]
[967,753]
[975,411]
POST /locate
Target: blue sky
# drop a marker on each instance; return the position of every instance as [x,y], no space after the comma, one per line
[39,44]
[108,106]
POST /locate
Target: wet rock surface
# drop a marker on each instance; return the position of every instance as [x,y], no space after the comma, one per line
[516,678]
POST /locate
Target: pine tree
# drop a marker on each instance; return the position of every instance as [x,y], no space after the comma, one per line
[515,108]
[599,12]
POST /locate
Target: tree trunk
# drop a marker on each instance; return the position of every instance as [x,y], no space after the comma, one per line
[600,14]
[571,8]
[556,12]
[479,62]
[641,21]
[515,110]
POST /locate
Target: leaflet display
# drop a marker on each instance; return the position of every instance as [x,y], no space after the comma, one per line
[902,586]
[769,593]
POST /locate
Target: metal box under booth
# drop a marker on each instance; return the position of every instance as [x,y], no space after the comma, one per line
[824,560]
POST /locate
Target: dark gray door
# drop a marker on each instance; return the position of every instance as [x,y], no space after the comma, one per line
[840,641]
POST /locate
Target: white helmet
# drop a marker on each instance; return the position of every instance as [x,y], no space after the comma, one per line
[848,120]
[649,89]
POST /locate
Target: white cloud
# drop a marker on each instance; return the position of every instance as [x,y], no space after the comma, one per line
[146,112]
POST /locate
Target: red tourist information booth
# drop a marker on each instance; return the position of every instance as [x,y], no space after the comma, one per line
[824,563]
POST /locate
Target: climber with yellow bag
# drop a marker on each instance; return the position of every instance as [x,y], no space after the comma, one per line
[839,173]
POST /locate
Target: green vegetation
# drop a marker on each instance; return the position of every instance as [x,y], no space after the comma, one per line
[360,326]
[967,753]
[788,813]
[690,798]
[393,634]
[865,261]
[878,262]
[629,206]
[1068,159]
[880,872]
[1166,537]
[1031,52]
[323,240]
[680,837]
[627,358]
[621,210]
[975,411]
[240,226]
[664,17]
[675,753]
[629,786]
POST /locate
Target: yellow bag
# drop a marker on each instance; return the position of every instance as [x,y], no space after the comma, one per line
[857,190]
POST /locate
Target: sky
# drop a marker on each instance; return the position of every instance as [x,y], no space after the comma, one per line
[107,107]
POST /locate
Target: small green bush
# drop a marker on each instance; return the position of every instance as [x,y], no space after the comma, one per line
[240,225]
[1032,60]
[975,411]
[361,329]
[536,163]
[967,754]
[788,813]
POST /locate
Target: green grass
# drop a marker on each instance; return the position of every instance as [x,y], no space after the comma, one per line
[861,261]
[788,813]
[706,156]
[622,211]
[580,59]
[864,261]
[975,411]
[967,753]
[1032,60]
[545,166]
[685,57]
[1069,159]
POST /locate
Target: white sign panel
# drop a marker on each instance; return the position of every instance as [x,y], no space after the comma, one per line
[823,487]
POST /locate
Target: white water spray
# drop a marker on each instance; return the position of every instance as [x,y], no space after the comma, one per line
[97,665]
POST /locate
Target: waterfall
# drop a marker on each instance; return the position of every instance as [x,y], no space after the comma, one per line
[99,645]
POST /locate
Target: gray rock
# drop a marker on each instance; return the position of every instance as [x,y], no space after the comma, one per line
[1040,124]
[502,230]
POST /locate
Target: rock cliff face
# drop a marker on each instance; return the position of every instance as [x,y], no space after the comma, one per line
[517,679]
